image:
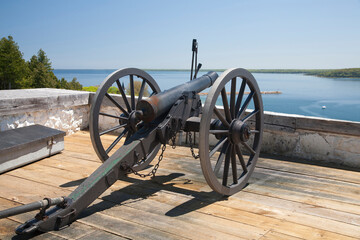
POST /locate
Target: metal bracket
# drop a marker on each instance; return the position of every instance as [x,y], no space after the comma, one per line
[188,105]
[41,215]
[65,218]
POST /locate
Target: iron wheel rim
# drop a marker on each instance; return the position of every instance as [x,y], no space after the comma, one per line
[209,110]
[126,108]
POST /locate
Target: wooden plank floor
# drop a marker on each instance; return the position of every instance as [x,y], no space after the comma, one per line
[284,200]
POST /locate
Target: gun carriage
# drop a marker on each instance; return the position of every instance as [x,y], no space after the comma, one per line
[229,127]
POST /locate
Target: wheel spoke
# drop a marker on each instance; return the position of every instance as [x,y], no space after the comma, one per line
[132,90]
[141,92]
[240,96]
[252,151]
[117,140]
[113,116]
[254,131]
[226,105]
[226,166]
[116,103]
[123,95]
[220,158]
[217,146]
[245,105]
[241,158]
[221,117]
[250,115]
[233,165]
[218,131]
[232,97]
[112,129]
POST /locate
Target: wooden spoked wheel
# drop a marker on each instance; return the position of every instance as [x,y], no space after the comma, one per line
[113,112]
[231,129]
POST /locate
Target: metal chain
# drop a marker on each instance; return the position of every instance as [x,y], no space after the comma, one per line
[192,148]
[153,171]
[161,156]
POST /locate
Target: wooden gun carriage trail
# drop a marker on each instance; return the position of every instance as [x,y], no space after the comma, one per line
[141,120]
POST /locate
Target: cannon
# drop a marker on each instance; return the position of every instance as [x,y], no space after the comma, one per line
[229,127]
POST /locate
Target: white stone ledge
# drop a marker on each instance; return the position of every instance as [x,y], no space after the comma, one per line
[312,138]
[39,99]
[296,122]
[61,109]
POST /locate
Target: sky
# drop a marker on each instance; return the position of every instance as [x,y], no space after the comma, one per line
[253,34]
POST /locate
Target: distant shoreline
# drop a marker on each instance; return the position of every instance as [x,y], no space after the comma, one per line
[328,73]
[262,92]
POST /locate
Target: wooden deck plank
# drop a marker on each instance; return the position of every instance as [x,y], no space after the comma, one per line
[343,228]
[310,170]
[219,225]
[331,214]
[307,207]
[273,235]
[281,183]
[285,200]
[252,214]
[335,215]
[121,227]
[101,235]
[169,226]
[125,229]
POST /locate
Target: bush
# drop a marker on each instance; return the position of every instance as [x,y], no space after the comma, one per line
[90,89]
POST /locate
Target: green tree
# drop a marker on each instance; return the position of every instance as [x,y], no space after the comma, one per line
[35,73]
[63,84]
[13,69]
[41,74]
[75,85]
[44,59]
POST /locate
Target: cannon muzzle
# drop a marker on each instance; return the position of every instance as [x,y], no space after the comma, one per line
[156,105]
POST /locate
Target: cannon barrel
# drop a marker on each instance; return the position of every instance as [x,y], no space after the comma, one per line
[47,202]
[156,105]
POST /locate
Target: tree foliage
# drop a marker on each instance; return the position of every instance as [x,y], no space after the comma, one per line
[341,73]
[137,86]
[15,72]
[41,74]
[330,73]
[13,69]
[111,89]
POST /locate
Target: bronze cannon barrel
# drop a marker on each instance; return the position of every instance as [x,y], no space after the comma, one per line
[156,105]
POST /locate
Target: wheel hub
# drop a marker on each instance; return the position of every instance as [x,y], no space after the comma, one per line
[132,122]
[239,131]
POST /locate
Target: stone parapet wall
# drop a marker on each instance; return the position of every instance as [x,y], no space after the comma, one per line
[56,108]
[314,139]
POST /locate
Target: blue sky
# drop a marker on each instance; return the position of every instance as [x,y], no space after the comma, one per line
[158,34]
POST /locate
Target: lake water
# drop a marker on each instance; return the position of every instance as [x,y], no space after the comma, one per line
[301,94]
